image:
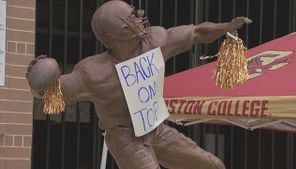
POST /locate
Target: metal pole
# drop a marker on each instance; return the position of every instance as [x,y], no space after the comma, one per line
[94,138]
[146,7]
[77,104]
[233,8]
[198,19]
[247,26]
[272,150]
[259,149]
[47,142]
[246,150]
[231,147]
[77,137]
[64,68]
[261,22]
[140,4]
[50,55]
[161,12]
[219,19]
[207,10]
[274,18]
[175,24]
[191,59]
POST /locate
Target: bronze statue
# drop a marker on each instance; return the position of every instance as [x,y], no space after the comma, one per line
[127,35]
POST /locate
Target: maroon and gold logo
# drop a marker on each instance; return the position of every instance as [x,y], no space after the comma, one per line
[267,61]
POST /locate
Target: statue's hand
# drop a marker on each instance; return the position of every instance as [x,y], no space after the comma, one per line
[36,93]
[42,73]
[237,23]
[32,63]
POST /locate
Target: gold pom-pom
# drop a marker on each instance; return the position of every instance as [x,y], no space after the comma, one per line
[53,99]
[232,66]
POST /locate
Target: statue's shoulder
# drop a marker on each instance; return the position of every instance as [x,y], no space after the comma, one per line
[92,65]
[90,60]
[159,36]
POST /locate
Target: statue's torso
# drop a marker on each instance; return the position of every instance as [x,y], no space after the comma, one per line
[100,77]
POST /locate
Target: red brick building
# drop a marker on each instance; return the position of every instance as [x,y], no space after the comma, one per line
[16,102]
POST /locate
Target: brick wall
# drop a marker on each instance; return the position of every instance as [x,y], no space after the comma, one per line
[16,102]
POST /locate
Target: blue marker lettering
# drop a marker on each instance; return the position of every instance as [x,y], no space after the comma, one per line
[151,64]
[152,117]
[155,109]
[142,117]
[139,72]
[152,90]
[143,94]
[147,73]
[130,79]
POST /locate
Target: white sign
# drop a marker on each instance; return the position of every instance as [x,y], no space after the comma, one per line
[142,81]
[2,41]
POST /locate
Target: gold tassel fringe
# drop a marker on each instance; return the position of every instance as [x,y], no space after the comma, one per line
[232,66]
[53,99]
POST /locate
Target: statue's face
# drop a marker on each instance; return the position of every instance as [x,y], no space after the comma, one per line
[130,25]
[117,21]
[138,25]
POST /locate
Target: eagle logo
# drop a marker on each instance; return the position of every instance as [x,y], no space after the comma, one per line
[267,61]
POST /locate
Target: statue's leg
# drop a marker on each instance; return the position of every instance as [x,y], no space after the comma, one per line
[130,152]
[180,152]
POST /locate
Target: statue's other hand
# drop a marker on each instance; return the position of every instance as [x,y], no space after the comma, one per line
[42,72]
[237,23]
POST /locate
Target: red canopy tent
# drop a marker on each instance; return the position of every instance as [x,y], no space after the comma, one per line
[266,99]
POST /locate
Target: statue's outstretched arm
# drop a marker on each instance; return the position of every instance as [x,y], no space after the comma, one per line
[182,38]
[74,88]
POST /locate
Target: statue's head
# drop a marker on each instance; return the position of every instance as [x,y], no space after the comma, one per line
[116,20]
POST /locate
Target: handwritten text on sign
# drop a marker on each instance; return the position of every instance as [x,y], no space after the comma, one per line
[142,81]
